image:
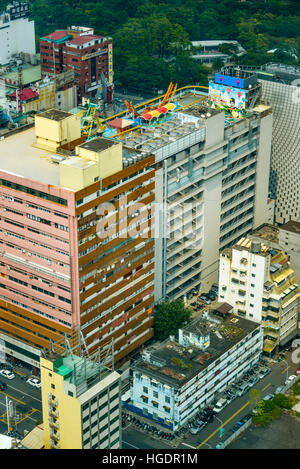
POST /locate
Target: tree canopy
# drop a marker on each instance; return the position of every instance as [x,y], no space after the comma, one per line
[154,36]
[169,317]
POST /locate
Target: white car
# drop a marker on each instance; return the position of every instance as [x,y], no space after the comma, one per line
[34,382]
[7,374]
[290,379]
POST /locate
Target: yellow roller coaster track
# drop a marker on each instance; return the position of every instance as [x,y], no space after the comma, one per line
[156,99]
[178,109]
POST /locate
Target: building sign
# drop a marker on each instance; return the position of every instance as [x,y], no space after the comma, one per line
[94,54]
[110,63]
[221,96]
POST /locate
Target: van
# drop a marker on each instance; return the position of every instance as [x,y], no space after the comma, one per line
[220,405]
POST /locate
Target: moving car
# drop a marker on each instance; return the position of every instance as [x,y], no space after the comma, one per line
[7,374]
[34,382]
[3,386]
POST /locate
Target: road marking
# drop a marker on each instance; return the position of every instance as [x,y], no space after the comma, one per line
[130,444]
[25,394]
[12,398]
[286,369]
[225,423]
[266,386]
[185,444]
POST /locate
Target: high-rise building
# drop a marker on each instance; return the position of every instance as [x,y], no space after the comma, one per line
[258,281]
[211,183]
[280,88]
[79,49]
[80,399]
[16,31]
[59,267]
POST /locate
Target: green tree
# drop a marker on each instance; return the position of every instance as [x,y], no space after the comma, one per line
[255,395]
[169,317]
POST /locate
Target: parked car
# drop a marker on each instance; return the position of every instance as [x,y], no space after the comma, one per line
[264,372]
[196,430]
[7,374]
[290,379]
[34,382]
[242,389]
[3,386]
[279,390]
[246,418]
[252,381]
[268,397]
[212,296]
[220,405]
[237,426]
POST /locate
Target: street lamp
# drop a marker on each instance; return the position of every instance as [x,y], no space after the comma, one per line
[221,429]
[287,368]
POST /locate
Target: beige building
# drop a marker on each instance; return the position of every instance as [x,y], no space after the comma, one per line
[81,401]
[258,281]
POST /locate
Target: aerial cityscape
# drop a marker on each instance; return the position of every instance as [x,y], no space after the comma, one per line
[150,227]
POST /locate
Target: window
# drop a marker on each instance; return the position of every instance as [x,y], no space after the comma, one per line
[145,389]
[53,386]
[167,399]
[70,393]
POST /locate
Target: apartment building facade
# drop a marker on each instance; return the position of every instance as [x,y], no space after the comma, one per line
[174,380]
[211,187]
[16,31]
[57,272]
[88,55]
[81,403]
[260,284]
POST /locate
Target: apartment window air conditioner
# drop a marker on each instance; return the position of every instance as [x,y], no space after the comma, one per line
[29,254]
[4,209]
[5,232]
[23,250]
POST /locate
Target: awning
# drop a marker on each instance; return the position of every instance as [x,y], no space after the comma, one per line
[155,113]
[147,116]
[170,106]
[269,345]
[162,110]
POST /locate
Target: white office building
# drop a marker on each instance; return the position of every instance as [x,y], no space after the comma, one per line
[16,32]
[174,380]
[211,181]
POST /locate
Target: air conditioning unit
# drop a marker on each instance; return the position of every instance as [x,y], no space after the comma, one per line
[29,254]
[5,232]
[4,209]
[23,251]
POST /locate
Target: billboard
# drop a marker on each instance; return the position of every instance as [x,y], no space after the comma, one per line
[230,81]
[226,97]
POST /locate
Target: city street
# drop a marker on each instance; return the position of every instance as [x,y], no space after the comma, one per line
[209,437]
[27,403]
